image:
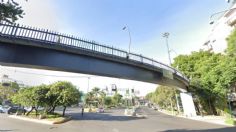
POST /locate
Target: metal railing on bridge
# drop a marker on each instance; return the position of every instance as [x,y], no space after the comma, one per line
[51,37]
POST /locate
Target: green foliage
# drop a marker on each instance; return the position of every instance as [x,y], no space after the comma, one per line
[63,93]
[95,97]
[108,101]
[6,92]
[60,93]
[10,11]
[211,76]
[163,96]
[231,40]
[116,99]
[98,97]
[23,97]
[230,121]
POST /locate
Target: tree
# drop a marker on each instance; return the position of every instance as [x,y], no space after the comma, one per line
[102,97]
[10,11]
[210,76]
[63,93]
[26,97]
[116,99]
[95,97]
[6,92]
[69,96]
[231,44]
[163,96]
[108,101]
[60,93]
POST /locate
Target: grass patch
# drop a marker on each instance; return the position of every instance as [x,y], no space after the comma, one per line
[230,121]
[46,116]
[53,115]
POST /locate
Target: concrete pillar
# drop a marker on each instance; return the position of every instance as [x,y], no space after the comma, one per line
[188,105]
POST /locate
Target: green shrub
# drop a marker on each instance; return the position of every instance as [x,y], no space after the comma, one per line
[230,121]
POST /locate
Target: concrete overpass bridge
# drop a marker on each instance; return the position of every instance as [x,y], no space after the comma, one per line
[29,47]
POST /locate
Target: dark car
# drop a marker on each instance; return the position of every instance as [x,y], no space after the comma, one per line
[14,109]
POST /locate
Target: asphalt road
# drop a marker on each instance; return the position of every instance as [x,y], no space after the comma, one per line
[114,121]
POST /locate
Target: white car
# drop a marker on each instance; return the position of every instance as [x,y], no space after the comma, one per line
[3,109]
[100,110]
[154,108]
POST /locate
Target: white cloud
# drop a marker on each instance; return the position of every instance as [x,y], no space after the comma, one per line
[41,14]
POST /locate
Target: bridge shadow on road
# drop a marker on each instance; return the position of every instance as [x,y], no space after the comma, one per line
[102,117]
[227,129]
[7,130]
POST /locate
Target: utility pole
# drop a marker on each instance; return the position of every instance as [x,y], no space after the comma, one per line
[166,35]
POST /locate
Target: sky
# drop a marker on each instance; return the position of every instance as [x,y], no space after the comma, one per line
[102,21]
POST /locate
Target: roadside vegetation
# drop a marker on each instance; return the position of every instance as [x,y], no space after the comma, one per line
[212,79]
[165,97]
[98,98]
[7,93]
[48,97]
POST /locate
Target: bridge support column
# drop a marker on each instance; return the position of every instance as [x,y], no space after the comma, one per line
[188,105]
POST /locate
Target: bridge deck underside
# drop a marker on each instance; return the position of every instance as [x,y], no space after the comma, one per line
[51,59]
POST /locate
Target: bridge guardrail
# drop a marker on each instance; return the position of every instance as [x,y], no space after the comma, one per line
[51,37]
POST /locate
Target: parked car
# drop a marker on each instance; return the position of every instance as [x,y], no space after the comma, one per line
[14,109]
[3,109]
[154,108]
[100,110]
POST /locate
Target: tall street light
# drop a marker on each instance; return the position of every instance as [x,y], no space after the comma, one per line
[127,28]
[88,85]
[220,12]
[166,35]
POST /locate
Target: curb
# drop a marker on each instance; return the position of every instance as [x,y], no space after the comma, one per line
[42,121]
[62,121]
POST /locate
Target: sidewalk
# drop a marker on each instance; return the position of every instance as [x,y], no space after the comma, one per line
[210,119]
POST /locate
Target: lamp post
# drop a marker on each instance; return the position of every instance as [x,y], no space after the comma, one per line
[166,35]
[88,85]
[212,21]
[229,98]
[127,28]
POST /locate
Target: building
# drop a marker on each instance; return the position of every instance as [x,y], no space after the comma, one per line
[223,23]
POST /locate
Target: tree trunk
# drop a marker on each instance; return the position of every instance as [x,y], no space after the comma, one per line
[36,111]
[32,108]
[53,109]
[24,110]
[213,108]
[49,110]
[64,110]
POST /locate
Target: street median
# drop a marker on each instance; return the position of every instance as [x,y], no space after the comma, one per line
[58,120]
